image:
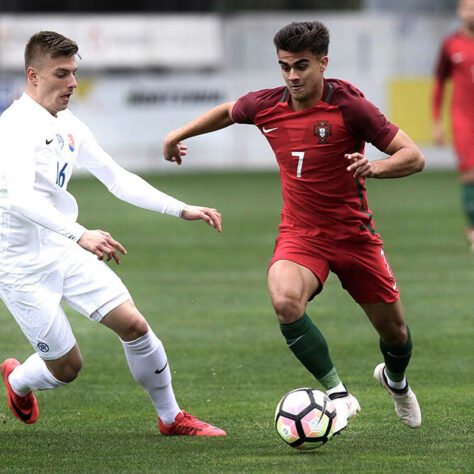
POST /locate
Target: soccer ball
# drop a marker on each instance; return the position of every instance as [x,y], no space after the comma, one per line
[305,418]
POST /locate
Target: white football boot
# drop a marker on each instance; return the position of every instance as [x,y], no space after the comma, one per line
[406,404]
[346,406]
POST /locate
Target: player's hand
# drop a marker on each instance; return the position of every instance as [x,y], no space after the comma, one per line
[211,216]
[438,134]
[359,165]
[174,151]
[99,243]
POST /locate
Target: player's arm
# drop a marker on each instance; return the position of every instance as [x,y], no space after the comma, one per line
[404,159]
[131,188]
[17,163]
[442,72]
[18,167]
[214,119]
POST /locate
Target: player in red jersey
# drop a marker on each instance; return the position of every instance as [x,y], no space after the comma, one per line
[456,61]
[317,129]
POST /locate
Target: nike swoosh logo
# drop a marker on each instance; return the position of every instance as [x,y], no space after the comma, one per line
[158,371]
[268,130]
[295,341]
[49,141]
[22,415]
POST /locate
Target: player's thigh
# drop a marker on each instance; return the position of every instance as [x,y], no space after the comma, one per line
[365,273]
[298,269]
[91,287]
[291,279]
[34,301]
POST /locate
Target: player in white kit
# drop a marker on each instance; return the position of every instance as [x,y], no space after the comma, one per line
[47,257]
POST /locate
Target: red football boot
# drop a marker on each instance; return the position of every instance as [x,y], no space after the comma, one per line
[188,425]
[24,408]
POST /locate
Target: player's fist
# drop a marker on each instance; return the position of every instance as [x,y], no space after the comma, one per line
[438,134]
[211,216]
[359,165]
[99,243]
[173,151]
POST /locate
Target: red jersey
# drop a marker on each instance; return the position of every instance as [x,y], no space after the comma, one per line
[456,61]
[320,197]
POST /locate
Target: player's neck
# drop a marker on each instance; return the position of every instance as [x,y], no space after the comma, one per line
[468,30]
[32,94]
[306,103]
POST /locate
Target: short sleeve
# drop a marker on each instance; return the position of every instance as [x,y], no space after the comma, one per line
[364,120]
[248,106]
[443,65]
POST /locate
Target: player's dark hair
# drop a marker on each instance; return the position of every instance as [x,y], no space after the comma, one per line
[48,43]
[302,36]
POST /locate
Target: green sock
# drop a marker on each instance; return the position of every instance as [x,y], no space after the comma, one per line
[309,346]
[396,358]
[468,201]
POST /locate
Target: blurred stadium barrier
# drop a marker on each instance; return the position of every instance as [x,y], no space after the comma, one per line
[142,75]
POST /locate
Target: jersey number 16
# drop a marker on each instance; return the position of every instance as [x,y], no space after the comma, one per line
[60,175]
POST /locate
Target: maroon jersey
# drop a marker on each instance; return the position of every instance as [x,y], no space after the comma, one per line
[320,197]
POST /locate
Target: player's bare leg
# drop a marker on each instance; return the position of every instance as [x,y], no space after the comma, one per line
[149,366]
[66,368]
[396,346]
[291,285]
[467,183]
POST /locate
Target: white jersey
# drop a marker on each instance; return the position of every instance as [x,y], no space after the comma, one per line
[37,213]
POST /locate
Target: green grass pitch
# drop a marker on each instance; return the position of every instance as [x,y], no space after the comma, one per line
[205,296]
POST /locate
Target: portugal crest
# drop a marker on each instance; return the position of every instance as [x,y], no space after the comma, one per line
[322,130]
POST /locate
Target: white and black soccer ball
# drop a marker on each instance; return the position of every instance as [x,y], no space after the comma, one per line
[305,418]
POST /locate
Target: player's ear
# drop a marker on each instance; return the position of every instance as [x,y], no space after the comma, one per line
[323,63]
[32,75]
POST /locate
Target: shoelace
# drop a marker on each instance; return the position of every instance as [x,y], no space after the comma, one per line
[186,428]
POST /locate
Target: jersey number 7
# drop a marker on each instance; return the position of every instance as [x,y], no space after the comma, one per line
[300,155]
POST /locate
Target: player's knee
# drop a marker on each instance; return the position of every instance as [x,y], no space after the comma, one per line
[288,307]
[68,371]
[396,336]
[136,327]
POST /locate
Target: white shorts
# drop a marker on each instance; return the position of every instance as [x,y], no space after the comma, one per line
[80,280]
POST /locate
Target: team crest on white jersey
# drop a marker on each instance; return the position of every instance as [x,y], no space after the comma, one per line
[322,130]
[71,142]
[60,140]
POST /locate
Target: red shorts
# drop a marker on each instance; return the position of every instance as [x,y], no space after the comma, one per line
[362,267]
[463,138]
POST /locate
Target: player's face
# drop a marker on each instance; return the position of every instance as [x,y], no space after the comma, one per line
[466,13]
[303,74]
[54,82]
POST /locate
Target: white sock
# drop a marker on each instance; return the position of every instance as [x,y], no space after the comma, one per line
[33,375]
[337,389]
[398,385]
[147,360]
